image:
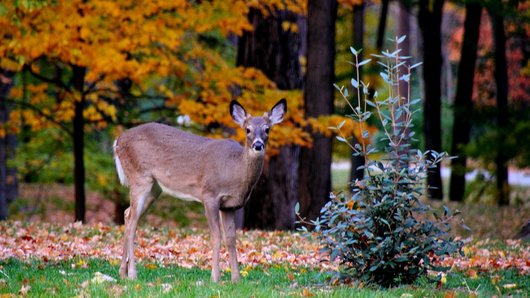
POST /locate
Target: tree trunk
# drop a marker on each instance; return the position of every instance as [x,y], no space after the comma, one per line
[430,20]
[11,171]
[463,104]
[381,26]
[3,164]
[358,43]
[501,83]
[276,52]
[315,162]
[6,81]
[79,144]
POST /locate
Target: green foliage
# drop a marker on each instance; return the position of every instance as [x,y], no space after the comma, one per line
[383,233]
[486,135]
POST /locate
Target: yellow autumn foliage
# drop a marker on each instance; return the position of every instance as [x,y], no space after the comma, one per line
[156,45]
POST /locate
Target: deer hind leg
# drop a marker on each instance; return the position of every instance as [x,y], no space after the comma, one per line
[212,214]
[229,226]
[142,196]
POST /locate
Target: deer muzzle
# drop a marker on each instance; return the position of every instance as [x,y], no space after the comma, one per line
[258,145]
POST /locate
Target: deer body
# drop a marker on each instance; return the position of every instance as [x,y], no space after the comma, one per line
[207,169]
[155,158]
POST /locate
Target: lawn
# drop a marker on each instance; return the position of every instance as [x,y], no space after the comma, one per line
[39,259]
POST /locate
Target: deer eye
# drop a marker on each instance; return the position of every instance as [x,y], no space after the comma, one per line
[248,131]
[267,130]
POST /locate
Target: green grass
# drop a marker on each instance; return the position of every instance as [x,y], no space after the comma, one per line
[73,278]
[340,179]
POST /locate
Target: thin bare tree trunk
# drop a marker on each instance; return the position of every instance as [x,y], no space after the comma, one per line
[79,144]
[463,105]
[6,81]
[430,21]
[501,82]
[381,27]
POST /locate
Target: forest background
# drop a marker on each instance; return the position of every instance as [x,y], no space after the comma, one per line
[75,74]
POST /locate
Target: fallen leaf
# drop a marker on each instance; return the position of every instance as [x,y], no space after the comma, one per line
[495,279]
[116,290]
[24,290]
[472,274]
[306,293]
[509,286]
[85,284]
[101,278]
[166,288]
[443,280]
[114,262]
[81,263]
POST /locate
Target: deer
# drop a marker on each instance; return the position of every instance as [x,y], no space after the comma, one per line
[154,158]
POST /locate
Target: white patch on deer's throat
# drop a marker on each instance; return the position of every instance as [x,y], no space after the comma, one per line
[177,194]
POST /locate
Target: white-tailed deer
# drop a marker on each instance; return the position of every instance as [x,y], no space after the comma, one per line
[154,158]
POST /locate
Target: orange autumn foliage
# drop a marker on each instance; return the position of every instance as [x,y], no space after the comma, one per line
[156,45]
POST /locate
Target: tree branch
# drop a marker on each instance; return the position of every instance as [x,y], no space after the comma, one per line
[39,111]
[56,81]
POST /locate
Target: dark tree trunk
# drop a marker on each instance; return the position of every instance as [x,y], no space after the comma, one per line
[463,104]
[382,25]
[11,171]
[79,144]
[6,81]
[501,82]
[276,52]
[358,43]
[3,163]
[315,162]
[430,21]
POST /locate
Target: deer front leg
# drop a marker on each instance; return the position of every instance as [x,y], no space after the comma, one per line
[212,214]
[229,226]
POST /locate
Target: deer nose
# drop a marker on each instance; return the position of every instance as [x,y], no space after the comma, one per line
[258,145]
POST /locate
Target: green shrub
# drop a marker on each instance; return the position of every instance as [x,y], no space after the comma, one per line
[383,233]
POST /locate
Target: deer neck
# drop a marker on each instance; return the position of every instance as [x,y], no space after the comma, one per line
[253,165]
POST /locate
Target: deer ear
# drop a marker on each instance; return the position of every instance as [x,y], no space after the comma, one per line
[238,113]
[278,111]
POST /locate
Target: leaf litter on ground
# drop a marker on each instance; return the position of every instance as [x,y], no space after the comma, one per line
[190,248]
